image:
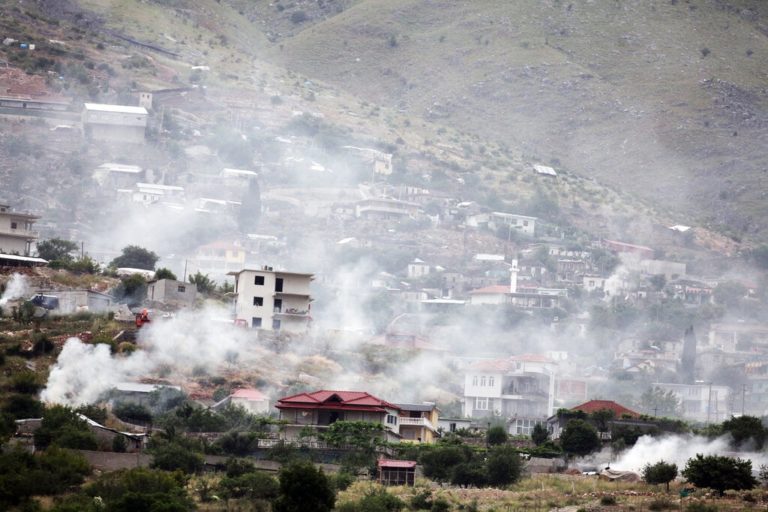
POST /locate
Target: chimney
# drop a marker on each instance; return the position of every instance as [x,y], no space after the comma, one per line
[513,277]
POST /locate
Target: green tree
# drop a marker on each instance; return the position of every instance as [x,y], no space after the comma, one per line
[503,466]
[173,456]
[64,427]
[539,434]
[56,249]
[745,430]
[602,419]
[358,438]
[729,293]
[720,473]
[131,289]
[252,485]
[658,402]
[203,283]
[141,489]
[660,473]
[496,435]
[439,461]
[579,438]
[304,487]
[164,273]
[134,256]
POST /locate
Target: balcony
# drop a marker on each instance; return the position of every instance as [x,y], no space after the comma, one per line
[416,422]
[291,312]
[20,233]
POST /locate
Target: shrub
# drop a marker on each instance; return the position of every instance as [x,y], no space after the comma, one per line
[304,487]
[118,444]
[608,500]
[497,434]
[174,456]
[701,507]
[720,473]
[661,504]
[503,466]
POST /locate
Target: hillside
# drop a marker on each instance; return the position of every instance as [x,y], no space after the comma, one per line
[669,94]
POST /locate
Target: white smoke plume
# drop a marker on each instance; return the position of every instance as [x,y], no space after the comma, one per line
[192,340]
[678,449]
[15,289]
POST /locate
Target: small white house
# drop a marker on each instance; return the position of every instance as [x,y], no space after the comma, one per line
[417,268]
[250,399]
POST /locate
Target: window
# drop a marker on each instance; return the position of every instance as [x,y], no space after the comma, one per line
[255,322]
[490,381]
[181,289]
[278,306]
[276,325]
[258,301]
[279,284]
[391,419]
[258,280]
[14,225]
[474,380]
[481,404]
[525,223]
[482,381]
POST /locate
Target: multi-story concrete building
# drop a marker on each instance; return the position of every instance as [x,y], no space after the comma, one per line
[273,300]
[520,388]
[16,234]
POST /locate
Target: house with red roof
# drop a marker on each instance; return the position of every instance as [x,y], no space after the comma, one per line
[520,388]
[621,415]
[320,409]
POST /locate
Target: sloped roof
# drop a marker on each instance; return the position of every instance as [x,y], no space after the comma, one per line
[248,394]
[335,400]
[599,405]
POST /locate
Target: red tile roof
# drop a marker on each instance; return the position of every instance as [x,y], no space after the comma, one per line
[389,463]
[248,394]
[335,400]
[599,405]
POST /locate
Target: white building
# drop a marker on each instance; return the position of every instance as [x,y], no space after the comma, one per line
[273,300]
[148,193]
[702,401]
[16,234]
[252,400]
[417,268]
[520,388]
[118,123]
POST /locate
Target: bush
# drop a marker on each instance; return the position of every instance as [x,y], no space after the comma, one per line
[26,382]
[701,507]
[174,456]
[608,500]
[254,486]
[497,434]
[304,487]
[118,444]
[503,466]
[62,426]
[579,438]
[720,473]
[133,413]
[661,504]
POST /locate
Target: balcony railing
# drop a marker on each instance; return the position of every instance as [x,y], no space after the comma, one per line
[416,422]
[290,312]
[25,233]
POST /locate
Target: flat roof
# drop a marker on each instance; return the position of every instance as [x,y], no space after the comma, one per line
[112,167]
[27,259]
[264,271]
[158,186]
[117,109]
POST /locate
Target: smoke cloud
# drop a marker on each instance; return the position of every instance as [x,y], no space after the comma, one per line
[678,449]
[15,289]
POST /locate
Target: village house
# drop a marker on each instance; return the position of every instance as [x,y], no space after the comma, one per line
[732,336]
[417,269]
[497,220]
[379,208]
[620,415]
[116,123]
[170,292]
[418,422]
[273,300]
[701,401]
[220,258]
[252,400]
[521,388]
[16,233]
[640,251]
[73,301]
[523,297]
[112,175]
[320,409]
[150,193]
[691,291]
[591,283]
